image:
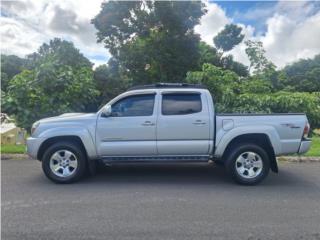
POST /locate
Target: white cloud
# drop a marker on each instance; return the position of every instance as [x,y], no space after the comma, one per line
[292,28]
[288,40]
[212,22]
[239,51]
[18,38]
[25,25]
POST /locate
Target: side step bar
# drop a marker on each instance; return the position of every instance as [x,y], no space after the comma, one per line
[160,159]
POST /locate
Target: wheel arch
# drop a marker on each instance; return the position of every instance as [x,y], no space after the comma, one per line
[52,140]
[260,139]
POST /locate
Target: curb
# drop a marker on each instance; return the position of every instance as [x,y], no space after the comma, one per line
[14,156]
[298,159]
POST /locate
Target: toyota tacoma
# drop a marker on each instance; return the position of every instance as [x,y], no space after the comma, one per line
[173,123]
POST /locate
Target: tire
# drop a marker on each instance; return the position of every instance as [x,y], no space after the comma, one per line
[64,162]
[248,164]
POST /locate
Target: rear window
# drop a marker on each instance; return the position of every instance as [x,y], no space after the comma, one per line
[181,103]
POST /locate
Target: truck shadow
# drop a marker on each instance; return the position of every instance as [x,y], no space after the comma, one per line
[162,173]
[180,174]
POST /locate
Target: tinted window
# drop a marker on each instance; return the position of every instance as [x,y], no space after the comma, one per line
[138,105]
[181,103]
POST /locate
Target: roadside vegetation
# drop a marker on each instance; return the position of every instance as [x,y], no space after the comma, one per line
[7,148]
[148,47]
[315,147]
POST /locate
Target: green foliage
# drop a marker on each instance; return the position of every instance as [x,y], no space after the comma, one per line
[153,41]
[209,54]
[254,94]
[228,38]
[255,85]
[280,102]
[109,81]
[51,88]
[223,84]
[10,66]
[227,62]
[60,51]
[258,61]
[303,75]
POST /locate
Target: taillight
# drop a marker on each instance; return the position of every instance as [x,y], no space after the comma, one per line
[306,130]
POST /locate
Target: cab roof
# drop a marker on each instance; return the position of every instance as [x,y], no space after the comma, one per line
[167,85]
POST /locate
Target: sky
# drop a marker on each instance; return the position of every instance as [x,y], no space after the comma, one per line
[289,30]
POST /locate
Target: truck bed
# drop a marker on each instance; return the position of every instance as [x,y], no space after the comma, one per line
[285,128]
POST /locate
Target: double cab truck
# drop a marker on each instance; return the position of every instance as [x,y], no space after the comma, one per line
[172,123]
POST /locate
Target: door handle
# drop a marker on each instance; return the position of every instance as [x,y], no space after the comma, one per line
[198,122]
[147,123]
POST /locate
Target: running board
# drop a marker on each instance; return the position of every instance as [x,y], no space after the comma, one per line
[161,159]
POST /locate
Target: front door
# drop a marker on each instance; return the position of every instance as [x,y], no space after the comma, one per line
[131,128]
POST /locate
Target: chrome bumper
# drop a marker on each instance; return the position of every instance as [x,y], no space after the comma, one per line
[304,145]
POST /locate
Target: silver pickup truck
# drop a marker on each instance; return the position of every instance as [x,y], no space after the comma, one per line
[173,123]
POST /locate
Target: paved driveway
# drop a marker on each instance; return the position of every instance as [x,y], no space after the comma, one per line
[160,202]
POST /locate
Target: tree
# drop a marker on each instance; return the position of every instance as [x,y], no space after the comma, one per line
[223,84]
[228,38]
[232,94]
[255,84]
[258,60]
[262,67]
[279,102]
[153,40]
[227,62]
[303,75]
[11,65]
[60,51]
[56,85]
[209,54]
[109,81]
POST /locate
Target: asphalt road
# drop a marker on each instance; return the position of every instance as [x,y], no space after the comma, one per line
[160,202]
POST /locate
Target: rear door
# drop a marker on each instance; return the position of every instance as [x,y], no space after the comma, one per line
[183,124]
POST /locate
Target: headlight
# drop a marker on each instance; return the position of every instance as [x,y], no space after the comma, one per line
[34,127]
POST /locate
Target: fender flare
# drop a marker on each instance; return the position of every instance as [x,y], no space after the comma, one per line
[269,131]
[77,131]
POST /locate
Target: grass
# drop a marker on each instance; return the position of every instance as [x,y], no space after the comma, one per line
[315,148]
[6,148]
[313,152]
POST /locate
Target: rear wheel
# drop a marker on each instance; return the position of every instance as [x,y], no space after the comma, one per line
[64,162]
[248,164]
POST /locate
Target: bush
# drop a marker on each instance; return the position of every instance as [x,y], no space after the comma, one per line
[50,90]
[280,102]
[223,84]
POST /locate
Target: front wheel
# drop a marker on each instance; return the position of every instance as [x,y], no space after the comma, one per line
[64,162]
[248,164]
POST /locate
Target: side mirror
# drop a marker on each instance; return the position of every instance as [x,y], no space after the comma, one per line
[106,111]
